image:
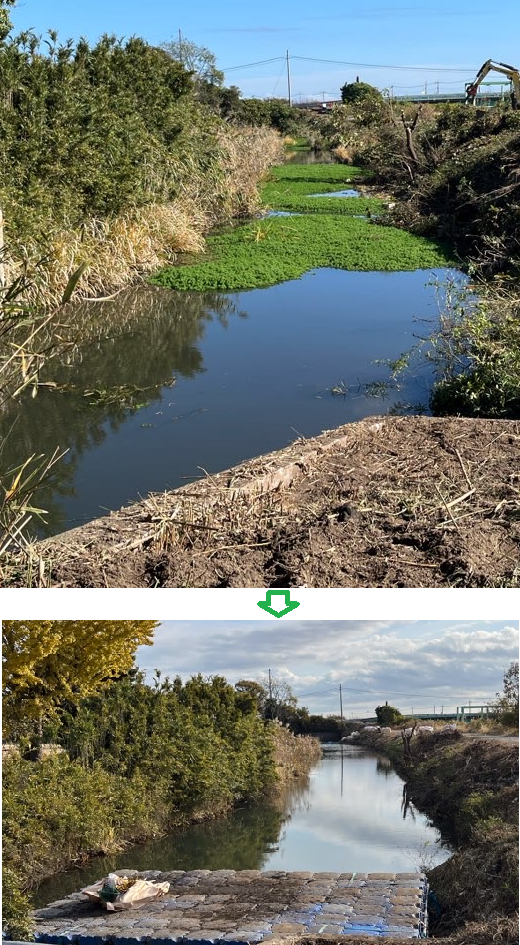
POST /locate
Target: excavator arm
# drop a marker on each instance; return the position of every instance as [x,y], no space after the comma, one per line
[491,66]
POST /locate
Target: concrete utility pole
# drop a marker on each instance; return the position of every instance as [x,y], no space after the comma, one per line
[180,47]
[340,703]
[288,79]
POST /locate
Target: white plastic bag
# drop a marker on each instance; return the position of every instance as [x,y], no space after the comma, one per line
[139,892]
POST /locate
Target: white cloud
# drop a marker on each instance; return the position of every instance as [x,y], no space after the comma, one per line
[412,663]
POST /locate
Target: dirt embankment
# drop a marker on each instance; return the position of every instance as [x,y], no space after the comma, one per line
[385,502]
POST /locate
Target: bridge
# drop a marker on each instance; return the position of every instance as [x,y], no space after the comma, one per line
[246,907]
[482,100]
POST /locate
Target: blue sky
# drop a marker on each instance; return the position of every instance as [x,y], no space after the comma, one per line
[415,663]
[442,36]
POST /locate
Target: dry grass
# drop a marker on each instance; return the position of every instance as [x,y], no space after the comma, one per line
[344,154]
[502,931]
[115,251]
[294,754]
[377,503]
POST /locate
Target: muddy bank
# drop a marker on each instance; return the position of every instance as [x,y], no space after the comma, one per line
[385,502]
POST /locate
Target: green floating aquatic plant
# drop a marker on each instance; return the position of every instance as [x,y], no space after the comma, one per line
[326,234]
[269,251]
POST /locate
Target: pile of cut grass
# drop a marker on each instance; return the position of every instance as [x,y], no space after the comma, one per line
[325,234]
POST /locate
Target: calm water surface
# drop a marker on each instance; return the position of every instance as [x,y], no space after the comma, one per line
[346,816]
[253,371]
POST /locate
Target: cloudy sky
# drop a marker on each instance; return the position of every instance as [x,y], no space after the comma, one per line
[413,664]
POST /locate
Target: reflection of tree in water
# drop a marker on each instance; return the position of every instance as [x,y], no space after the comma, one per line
[143,337]
[384,766]
[241,841]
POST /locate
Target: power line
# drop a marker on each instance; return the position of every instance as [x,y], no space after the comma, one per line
[357,65]
[248,65]
[372,65]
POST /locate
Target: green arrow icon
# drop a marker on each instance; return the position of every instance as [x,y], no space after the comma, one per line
[289,604]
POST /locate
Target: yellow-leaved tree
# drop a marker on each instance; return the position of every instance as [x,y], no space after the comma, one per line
[50,662]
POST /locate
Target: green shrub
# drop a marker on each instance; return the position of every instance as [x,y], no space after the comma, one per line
[477,359]
[139,760]
[16,921]
[389,715]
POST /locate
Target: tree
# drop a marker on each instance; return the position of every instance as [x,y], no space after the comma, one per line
[47,663]
[5,22]
[506,708]
[254,690]
[197,59]
[388,715]
[353,93]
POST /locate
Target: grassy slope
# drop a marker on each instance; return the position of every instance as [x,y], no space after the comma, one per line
[469,788]
[268,251]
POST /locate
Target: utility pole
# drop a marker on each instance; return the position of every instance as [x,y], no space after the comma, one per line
[340,703]
[288,78]
[180,48]
[270,686]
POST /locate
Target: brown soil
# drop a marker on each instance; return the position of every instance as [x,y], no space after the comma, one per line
[386,502]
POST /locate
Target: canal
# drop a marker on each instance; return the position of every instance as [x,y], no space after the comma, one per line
[347,815]
[159,387]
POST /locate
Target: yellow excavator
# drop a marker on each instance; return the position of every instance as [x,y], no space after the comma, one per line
[491,66]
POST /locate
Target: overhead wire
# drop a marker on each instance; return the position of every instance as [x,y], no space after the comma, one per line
[373,65]
[248,65]
[362,65]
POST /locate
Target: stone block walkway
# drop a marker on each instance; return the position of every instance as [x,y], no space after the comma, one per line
[245,908]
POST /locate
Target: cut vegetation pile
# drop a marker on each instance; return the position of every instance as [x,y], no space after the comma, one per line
[394,502]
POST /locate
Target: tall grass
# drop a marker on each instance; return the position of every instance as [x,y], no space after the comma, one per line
[294,755]
[114,251]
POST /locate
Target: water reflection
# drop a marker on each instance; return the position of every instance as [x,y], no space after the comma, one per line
[253,371]
[143,338]
[346,815]
[310,157]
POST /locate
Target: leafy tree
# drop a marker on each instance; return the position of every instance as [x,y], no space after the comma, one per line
[506,708]
[47,663]
[5,22]
[254,690]
[273,112]
[224,101]
[196,59]
[354,93]
[389,715]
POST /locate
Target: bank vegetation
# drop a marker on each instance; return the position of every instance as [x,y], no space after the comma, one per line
[454,174]
[87,777]
[469,789]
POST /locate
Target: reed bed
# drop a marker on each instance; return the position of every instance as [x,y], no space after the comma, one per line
[112,252]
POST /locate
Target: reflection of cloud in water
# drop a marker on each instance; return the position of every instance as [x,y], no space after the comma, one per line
[363,817]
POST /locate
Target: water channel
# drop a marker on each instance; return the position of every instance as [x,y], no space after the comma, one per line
[251,371]
[347,815]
